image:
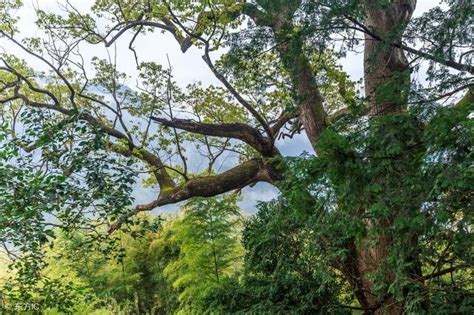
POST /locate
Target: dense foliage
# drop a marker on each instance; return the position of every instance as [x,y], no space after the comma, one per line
[376,218]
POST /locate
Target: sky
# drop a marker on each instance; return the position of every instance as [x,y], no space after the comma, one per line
[187,68]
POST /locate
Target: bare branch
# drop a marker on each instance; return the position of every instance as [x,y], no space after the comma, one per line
[240,131]
[445,271]
[72,92]
[449,63]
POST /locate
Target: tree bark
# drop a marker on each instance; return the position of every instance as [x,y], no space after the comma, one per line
[310,102]
[240,176]
[387,83]
[386,71]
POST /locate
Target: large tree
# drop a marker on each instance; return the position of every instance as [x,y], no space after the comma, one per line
[382,157]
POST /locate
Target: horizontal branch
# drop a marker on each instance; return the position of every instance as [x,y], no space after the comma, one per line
[247,173]
[444,271]
[167,25]
[239,131]
[469,87]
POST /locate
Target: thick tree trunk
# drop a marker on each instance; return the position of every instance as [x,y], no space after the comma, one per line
[387,83]
[370,258]
[386,68]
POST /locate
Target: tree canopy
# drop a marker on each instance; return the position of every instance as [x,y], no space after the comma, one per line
[377,218]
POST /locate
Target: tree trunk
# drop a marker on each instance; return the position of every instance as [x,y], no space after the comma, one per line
[310,102]
[369,259]
[387,83]
[387,78]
